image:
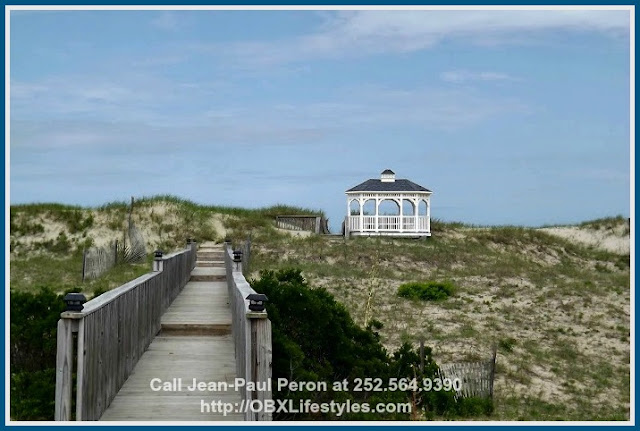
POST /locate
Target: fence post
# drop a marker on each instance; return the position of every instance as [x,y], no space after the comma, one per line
[246,255]
[65,357]
[493,369]
[261,359]
[84,262]
[64,369]
[115,252]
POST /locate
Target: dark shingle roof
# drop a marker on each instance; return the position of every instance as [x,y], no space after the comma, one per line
[395,186]
[387,172]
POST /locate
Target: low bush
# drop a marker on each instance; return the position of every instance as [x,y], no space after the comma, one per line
[32,347]
[24,227]
[33,395]
[61,245]
[427,291]
[507,344]
[75,220]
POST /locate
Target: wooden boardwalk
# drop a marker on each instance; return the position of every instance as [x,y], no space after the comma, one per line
[194,342]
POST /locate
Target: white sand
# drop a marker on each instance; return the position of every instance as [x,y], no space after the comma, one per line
[300,233]
[613,240]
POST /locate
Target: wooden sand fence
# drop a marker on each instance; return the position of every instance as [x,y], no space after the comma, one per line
[98,260]
[476,377]
[102,343]
[315,224]
[251,333]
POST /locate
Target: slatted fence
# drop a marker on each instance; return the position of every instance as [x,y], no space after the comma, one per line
[476,377]
[97,260]
[316,224]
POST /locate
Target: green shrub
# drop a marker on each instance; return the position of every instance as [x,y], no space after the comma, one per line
[507,344]
[32,348]
[623,262]
[74,219]
[473,407]
[33,395]
[427,291]
[33,329]
[24,227]
[61,245]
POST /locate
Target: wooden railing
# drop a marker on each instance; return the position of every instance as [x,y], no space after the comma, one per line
[251,334]
[112,332]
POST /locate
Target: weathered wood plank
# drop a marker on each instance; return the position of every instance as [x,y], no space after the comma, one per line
[204,358]
[195,329]
[64,370]
[263,361]
[81,374]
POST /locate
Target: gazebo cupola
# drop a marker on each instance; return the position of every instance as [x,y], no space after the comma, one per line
[388,176]
[366,203]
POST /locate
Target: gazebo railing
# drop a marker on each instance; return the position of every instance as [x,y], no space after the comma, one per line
[388,223]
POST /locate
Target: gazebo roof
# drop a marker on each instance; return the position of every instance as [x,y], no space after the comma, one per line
[401,185]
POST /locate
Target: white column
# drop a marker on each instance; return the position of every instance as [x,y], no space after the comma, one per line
[361,201]
[348,219]
[401,218]
[377,203]
[429,214]
[416,207]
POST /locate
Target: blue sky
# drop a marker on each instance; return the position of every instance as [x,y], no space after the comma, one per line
[510,117]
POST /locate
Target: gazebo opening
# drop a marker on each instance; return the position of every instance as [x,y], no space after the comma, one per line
[354,208]
[388,206]
[422,208]
[369,207]
[408,207]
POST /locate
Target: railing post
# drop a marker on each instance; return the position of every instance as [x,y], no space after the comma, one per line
[157,261]
[238,260]
[65,357]
[64,369]
[261,359]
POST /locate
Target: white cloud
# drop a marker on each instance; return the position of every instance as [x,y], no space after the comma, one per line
[460,76]
[166,21]
[117,129]
[129,97]
[358,33]
[429,26]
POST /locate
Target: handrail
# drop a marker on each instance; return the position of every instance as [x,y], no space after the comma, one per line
[251,334]
[113,331]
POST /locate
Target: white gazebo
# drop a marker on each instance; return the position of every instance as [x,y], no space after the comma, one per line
[410,216]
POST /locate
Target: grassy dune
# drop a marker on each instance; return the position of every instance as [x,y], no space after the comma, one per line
[558,309]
